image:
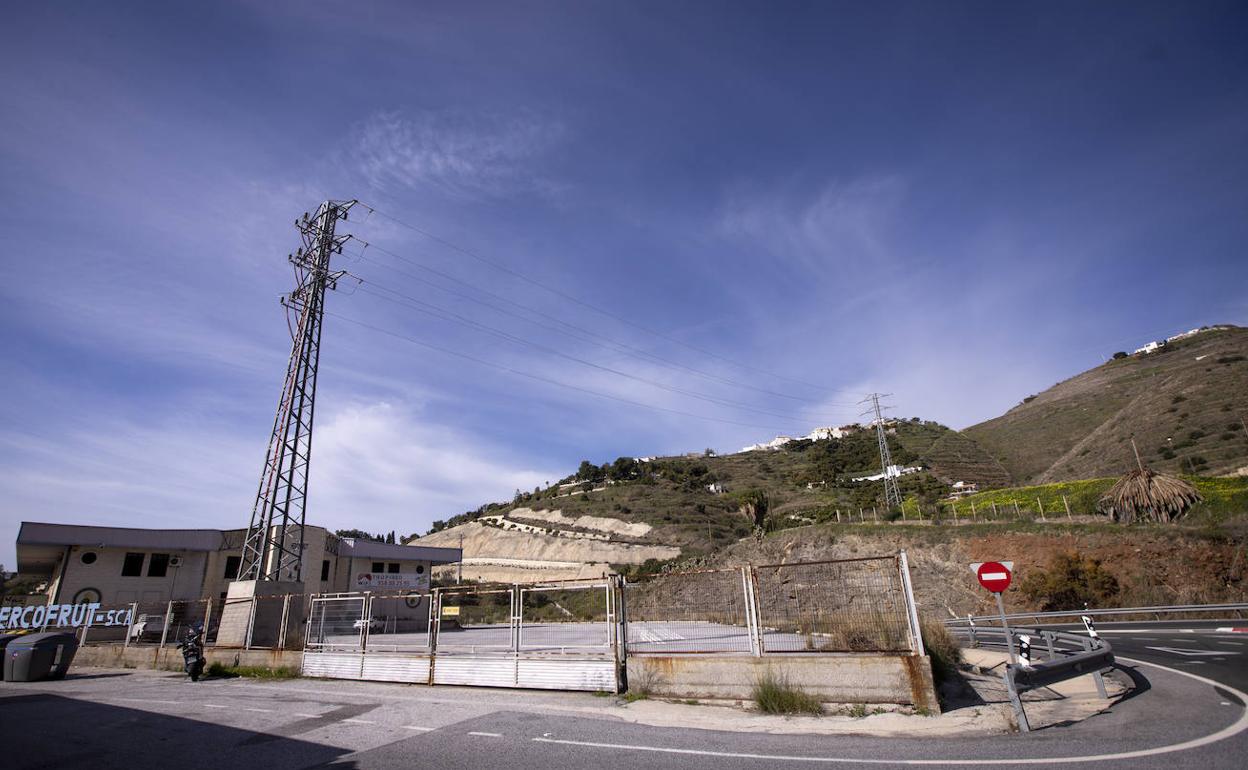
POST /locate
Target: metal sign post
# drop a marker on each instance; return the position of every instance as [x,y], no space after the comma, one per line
[995,576]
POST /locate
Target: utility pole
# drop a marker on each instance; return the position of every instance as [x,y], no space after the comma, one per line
[892,495]
[273,550]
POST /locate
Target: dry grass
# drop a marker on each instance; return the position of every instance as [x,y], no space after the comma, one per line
[774,695]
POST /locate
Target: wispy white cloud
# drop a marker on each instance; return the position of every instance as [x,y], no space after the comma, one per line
[468,156]
[377,466]
[844,224]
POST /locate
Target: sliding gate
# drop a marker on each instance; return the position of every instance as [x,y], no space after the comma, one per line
[564,636]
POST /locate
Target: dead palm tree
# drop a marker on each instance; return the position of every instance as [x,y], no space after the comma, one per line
[1147,495]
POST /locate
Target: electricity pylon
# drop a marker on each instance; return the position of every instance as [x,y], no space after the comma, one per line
[892,495]
[273,549]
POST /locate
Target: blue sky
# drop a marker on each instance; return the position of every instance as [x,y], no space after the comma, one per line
[779,207]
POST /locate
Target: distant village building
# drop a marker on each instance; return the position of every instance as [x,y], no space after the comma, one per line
[963,489]
[892,472]
[716,488]
[818,434]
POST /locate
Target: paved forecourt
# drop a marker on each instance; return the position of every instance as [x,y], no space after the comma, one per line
[136,719]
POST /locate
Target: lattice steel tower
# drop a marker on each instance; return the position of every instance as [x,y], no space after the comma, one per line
[892,495]
[273,549]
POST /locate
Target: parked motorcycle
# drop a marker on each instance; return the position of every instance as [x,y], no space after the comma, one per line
[193,651]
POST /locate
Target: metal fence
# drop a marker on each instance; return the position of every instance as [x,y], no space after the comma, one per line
[271,622]
[845,605]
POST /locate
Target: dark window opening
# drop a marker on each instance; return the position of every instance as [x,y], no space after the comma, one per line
[392,568]
[420,569]
[379,566]
[158,565]
[232,564]
[325,570]
[88,557]
[132,565]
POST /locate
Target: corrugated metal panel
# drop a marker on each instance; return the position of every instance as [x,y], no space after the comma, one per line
[333,665]
[475,670]
[396,668]
[595,674]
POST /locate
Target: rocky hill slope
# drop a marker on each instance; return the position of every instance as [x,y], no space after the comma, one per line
[1184,404]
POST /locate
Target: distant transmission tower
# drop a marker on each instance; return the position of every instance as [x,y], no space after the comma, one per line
[273,550]
[892,495]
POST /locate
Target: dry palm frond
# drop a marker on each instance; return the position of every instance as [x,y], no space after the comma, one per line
[1148,495]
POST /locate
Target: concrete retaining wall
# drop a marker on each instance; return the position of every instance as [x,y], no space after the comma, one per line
[903,679]
[170,659]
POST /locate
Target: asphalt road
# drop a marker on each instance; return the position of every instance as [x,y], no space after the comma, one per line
[105,719]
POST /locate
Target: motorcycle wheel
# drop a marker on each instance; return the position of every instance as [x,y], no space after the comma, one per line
[197,668]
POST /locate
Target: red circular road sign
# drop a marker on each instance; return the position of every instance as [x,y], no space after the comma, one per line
[994,576]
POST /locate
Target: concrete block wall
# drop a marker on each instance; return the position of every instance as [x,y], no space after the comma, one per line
[899,679]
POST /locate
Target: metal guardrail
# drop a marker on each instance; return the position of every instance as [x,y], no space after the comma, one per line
[1238,608]
[1068,656]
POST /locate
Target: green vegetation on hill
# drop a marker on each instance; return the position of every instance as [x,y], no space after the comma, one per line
[703,501]
[1183,404]
[1223,497]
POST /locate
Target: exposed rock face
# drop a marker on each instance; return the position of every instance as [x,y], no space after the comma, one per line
[495,554]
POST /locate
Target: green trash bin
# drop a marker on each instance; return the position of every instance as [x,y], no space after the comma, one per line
[35,657]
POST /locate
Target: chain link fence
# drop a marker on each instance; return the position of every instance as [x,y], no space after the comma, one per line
[684,612]
[846,605]
[856,605]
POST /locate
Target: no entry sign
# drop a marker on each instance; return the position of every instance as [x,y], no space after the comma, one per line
[994,575]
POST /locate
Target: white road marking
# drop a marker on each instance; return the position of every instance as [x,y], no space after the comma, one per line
[213,706]
[309,716]
[1237,644]
[487,735]
[418,727]
[1234,728]
[359,722]
[1189,652]
[260,711]
[147,700]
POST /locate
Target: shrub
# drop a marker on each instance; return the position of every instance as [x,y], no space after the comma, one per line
[1069,583]
[1120,355]
[774,695]
[942,648]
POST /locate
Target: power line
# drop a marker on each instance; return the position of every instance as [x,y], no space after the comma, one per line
[564,295]
[444,314]
[576,332]
[539,378]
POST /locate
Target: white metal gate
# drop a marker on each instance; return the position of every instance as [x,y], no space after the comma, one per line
[564,636]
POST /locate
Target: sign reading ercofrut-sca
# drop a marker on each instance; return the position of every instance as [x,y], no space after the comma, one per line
[61,616]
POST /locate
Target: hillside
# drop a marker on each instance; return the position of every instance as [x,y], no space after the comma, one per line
[629,513]
[1183,403]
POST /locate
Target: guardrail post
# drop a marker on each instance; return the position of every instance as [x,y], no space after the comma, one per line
[1096,675]
[970,619]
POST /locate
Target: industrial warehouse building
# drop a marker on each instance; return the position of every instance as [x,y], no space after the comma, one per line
[120,565]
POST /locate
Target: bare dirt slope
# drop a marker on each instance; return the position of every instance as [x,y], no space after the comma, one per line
[1183,405]
[1152,565]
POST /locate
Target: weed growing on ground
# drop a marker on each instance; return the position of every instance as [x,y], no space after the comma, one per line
[252,672]
[774,695]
